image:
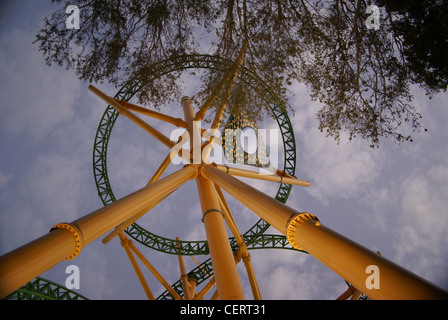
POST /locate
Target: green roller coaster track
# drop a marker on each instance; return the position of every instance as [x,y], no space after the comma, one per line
[255,237]
[43,289]
[110,116]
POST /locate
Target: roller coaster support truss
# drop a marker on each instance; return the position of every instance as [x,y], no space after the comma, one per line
[303,231]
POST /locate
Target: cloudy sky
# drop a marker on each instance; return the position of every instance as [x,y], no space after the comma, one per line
[393,199]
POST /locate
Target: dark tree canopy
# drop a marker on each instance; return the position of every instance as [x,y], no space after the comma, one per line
[361,76]
[422,27]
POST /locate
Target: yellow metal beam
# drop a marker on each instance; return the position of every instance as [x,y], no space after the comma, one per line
[244,252]
[125,243]
[227,279]
[124,225]
[268,177]
[193,129]
[193,284]
[127,223]
[142,124]
[347,293]
[27,262]
[154,271]
[345,257]
[205,289]
[183,275]
[166,162]
[66,240]
[231,75]
[154,114]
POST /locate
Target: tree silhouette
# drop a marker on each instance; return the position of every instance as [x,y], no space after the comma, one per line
[422,27]
[361,76]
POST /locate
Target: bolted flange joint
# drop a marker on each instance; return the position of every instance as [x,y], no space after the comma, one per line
[294,223]
[195,167]
[201,170]
[77,235]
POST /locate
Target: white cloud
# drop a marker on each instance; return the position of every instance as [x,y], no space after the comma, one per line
[288,275]
[420,242]
[341,170]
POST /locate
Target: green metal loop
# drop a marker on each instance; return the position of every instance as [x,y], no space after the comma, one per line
[110,116]
[43,289]
[205,271]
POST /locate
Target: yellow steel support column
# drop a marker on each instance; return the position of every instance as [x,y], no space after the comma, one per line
[161,169]
[243,251]
[347,258]
[206,289]
[154,271]
[226,274]
[66,240]
[230,75]
[125,244]
[124,225]
[193,284]
[347,293]
[142,124]
[154,114]
[25,263]
[193,130]
[183,275]
[268,177]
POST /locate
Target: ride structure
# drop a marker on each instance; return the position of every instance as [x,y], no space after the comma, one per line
[301,231]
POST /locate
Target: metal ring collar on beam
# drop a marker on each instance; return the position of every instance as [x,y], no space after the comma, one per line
[211,210]
[294,223]
[77,235]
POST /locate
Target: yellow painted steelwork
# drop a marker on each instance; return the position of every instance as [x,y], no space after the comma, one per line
[142,124]
[226,274]
[27,262]
[154,271]
[125,244]
[231,76]
[205,289]
[303,230]
[154,114]
[183,276]
[268,177]
[242,251]
[345,257]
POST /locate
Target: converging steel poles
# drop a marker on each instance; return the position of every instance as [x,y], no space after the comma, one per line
[66,240]
[345,257]
[228,282]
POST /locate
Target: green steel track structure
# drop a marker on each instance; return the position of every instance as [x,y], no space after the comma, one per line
[204,271]
[43,289]
[110,116]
